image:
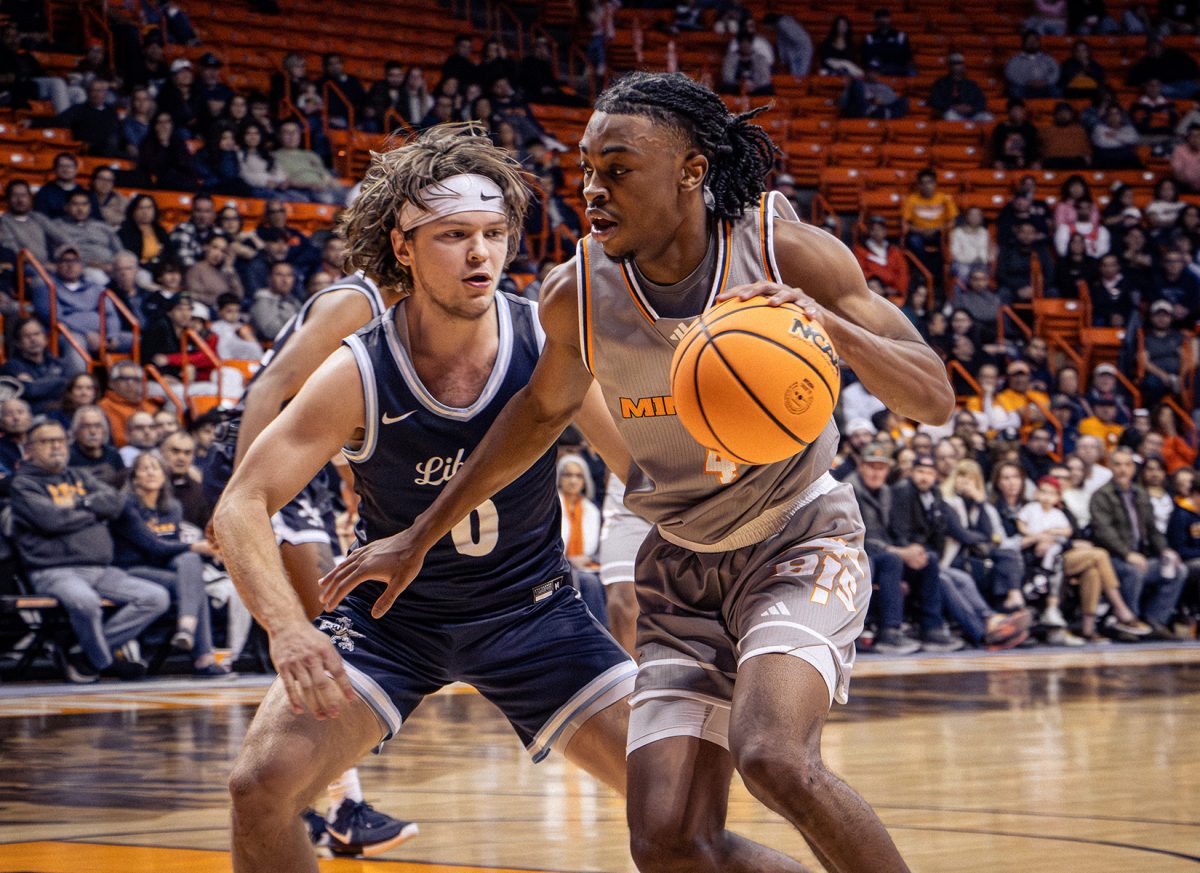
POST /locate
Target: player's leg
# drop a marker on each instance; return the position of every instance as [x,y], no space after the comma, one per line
[305,564]
[622,614]
[599,745]
[270,787]
[779,709]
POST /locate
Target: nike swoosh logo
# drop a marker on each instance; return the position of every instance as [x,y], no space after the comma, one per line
[392,419]
[486,198]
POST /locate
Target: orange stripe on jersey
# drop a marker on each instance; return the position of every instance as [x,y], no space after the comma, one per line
[762,234]
[586,304]
[634,296]
[727,229]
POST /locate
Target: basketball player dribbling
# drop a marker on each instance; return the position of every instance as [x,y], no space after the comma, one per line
[407,399]
[754,584]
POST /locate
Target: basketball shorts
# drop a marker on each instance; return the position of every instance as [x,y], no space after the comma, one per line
[620,538]
[548,666]
[301,520]
[801,592]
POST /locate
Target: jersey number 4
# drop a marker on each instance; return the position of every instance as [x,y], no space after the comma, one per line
[477,534]
[724,469]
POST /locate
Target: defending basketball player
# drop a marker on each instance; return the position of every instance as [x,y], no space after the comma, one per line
[744,647]
[407,399]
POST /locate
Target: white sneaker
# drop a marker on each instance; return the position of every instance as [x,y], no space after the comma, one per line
[1052,617]
[1063,637]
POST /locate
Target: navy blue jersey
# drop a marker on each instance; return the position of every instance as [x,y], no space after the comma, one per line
[413,445]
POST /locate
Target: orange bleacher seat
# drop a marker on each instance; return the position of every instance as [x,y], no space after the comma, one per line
[25,162]
[991,202]
[841,187]
[1101,345]
[905,156]
[917,131]
[812,130]
[814,107]
[956,157]
[864,130]
[1063,318]
[889,204]
[887,179]
[804,161]
[967,133]
[990,180]
[853,154]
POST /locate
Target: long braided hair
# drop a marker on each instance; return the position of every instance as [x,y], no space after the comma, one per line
[740,154]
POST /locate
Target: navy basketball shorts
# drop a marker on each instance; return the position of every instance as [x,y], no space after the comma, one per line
[548,666]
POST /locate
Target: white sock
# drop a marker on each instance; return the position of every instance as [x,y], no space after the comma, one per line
[345,787]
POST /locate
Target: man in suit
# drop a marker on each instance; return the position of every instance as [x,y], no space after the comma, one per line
[1152,575]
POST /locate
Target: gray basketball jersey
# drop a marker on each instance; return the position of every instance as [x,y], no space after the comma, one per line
[695,496]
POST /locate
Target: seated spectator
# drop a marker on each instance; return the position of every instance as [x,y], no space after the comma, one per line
[1114,142]
[1104,382]
[1102,423]
[954,97]
[43,377]
[23,228]
[1183,531]
[1091,17]
[94,122]
[1153,114]
[190,236]
[179,452]
[112,202]
[1015,139]
[1049,18]
[51,198]
[442,112]
[27,78]
[1015,277]
[136,124]
[928,213]
[163,343]
[871,97]
[1160,354]
[1139,428]
[386,96]
[78,303]
[1164,210]
[151,69]
[214,276]
[581,530]
[1175,68]
[15,419]
[886,50]
[301,253]
[888,564]
[147,545]
[60,529]
[1086,224]
[257,167]
[126,395]
[415,101]
[744,70]
[91,449]
[143,234]
[1153,476]
[1035,453]
[286,83]
[1138,260]
[214,93]
[95,240]
[1045,532]
[1064,144]
[219,163]
[1178,453]
[982,302]
[1018,396]
[1185,160]
[164,159]
[1031,72]
[882,259]
[275,304]
[350,96]
[497,64]
[970,245]
[1180,287]
[1081,78]
[81,390]
[552,225]
[304,174]
[143,437]
[1075,266]
[838,52]
[1123,524]
[1074,191]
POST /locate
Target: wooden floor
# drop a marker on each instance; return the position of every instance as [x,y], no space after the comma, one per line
[1059,762]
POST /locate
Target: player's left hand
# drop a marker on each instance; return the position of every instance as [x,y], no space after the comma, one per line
[776,295]
[394,561]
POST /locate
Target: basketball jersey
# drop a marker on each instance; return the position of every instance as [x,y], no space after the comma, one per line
[413,445]
[693,494]
[358,282]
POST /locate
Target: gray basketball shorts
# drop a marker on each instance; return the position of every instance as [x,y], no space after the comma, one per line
[620,538]
[801,592]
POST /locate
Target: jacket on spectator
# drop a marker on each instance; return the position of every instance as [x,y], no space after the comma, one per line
[118,410]
[145,537]
[889,266]
[912,522]
[34,231]
[1183,531]
[1111,527]
[61,519]
[270,312]
[51,200]
[44,383]
[108,468]
[96,240]
[876,509]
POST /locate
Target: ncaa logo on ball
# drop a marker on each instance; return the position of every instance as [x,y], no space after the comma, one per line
[798,397]
[806,329]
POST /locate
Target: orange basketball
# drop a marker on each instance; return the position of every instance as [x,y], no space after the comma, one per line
[753,382]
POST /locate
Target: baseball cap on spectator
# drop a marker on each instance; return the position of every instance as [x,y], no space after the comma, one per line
[860,424]
[956,58]
[785,179]
[208,59]
[1105,399]
[199,310]
[1051,482]
[877,219]
[1018,367]
[1161,306]
[64,248]
[876,454]
[1141,412]
[180,64]
[1101,369]
[925,461]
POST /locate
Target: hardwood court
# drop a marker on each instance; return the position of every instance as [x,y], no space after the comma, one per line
[1047,761]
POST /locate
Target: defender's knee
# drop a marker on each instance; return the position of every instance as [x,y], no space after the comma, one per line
[270,789]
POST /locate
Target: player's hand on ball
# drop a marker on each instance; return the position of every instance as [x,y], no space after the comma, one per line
[776,295]
[311,670]
[394,561]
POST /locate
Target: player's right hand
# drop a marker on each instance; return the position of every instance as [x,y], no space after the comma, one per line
[395,561]
[311,670]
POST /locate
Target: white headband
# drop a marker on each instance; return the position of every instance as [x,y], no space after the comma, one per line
[465,193]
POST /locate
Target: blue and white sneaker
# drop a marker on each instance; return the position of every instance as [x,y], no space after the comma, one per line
[317,833]
[360,829]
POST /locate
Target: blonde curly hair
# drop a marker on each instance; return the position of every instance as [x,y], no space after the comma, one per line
[397,176]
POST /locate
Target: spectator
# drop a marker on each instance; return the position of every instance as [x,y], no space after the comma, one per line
[214,94]
[352,97]
[164,159]
[928,213]
[459,64]
[970,245]
[146,536]
[881,259]
[143,437]
[1178,453]
[181,100]
[918,528]
[142,234]
[91,449]
[1031,72]
[1086,224]
[1075,266]
[94,123]
[887,561]
[1015,139]
[1102,423]
[80,390]
[954,97]
[235,338]
[179,452]
[112,202]
[1019,397]
[1154,479]
[744,70]
[60,520]
[43,377]
[581,528]
[1123,525]
[23,228]
[1153,114]
[1024,206]
[333,253]
[885,50]
[151,69]
[126,395]
[219,163]
[1160,355]
[288,82]
[214,275]
[552,226]
[78,302]
[838,52]
[1050,18]
[24,78]
[1185,160]
[794,44]
[1163,211]
[1183,531]
[1176,69]
[1180,287]
[1015,277]
[1137,260]
[303,171]
[276,304]
[1045,532]
[256,164]
[1104,382]
[871,97]
[189,237]
[1075,190]
[51,199]
[857,435]
[95,240]
[1081,78]
[256,271]
[981,301]
[496,64]
[385,96]
[1114,142]
[15,420]
[135,126]
[1090,17]
[164,342]
[1064,144]
[1139,428]
[301,253]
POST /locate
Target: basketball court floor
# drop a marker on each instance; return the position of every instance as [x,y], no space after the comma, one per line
[1057,761]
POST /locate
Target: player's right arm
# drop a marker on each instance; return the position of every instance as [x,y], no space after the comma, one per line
[331,319]
[323,417]
[528,425]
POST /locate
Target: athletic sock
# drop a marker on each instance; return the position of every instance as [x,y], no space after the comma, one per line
[345,787]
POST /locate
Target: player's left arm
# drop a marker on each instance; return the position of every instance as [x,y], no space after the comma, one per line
[869,333]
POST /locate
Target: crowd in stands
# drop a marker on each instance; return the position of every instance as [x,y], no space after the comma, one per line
[1057,505]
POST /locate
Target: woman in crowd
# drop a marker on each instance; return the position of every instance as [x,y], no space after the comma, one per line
[838,52]
[220,165]
[1074,267]
[112,202]
[80,391]
[1073,192]
[256,163]
[146,537]
[1178,452]
[143,234]
[581,529]
[163,157]
[1165,208]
